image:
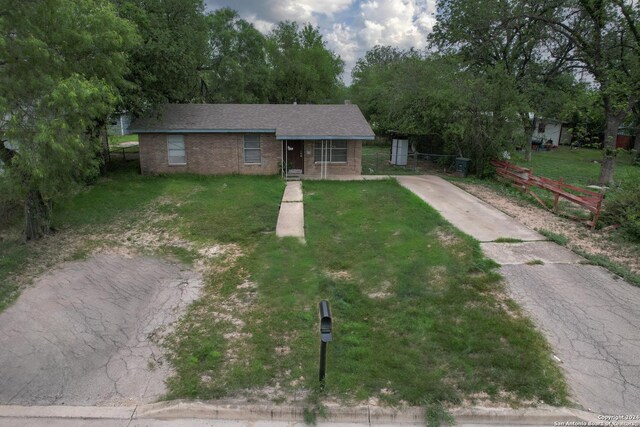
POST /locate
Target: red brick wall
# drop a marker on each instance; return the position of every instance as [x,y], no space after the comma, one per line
[209,154]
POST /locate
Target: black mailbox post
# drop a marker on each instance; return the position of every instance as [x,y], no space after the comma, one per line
[325,337]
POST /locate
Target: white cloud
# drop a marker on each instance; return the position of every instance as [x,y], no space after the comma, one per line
[401,23]
[342,40]
[350,27]
[281,10]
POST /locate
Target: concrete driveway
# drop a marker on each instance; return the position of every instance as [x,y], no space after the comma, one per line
[590,316]
[86,333]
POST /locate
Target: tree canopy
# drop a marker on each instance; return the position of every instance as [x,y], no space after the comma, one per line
[167,65]
[238,69]
[409,93]
[62,66]
[67,65]
[304,70]
[543,43]
[605,40]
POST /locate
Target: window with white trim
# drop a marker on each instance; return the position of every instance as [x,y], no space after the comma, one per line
[175,150]
[330,151]
[252,152]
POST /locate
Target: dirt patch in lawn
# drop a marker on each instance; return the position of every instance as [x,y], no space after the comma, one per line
[578,236]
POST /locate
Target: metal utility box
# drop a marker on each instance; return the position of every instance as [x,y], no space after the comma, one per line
[399,152]
[462,166]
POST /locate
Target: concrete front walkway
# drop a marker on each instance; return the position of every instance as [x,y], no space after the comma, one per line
[291,216]
[590,316]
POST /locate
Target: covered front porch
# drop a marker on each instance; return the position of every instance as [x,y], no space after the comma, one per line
[320,158]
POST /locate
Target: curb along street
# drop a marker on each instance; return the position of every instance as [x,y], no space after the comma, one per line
[184,410]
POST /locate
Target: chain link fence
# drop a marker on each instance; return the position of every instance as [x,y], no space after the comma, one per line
[379,163]
[124,152]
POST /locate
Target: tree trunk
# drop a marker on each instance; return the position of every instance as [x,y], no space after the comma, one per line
[104,152]
[37,214]
[636,124]
[528,131]
[609,146]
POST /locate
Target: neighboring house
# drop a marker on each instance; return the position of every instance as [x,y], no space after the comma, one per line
[256,139]
[550,129]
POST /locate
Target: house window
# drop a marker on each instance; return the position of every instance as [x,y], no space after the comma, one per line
[252,153]
[541,127]
[175,150]
[330,152]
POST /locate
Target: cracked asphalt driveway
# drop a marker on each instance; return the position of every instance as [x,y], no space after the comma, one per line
[591,318]
[86,333]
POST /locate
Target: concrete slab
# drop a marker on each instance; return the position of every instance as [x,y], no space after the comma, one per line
[521,253]
[81,335]
[466,212]
[292,192]
[347,178]
[291,220]
[591,318]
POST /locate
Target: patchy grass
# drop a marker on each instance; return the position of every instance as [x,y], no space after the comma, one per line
[375,161]
[508,240]
[397,277]
[115,140]
[535,262]
[604,261]
[123,194]
[420,317]
[13,257]
[554,237]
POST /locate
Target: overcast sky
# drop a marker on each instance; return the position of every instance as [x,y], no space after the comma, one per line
[350,27]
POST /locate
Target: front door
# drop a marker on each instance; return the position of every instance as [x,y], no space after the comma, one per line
[294,152]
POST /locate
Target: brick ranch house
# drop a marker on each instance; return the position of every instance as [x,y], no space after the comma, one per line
[254,139]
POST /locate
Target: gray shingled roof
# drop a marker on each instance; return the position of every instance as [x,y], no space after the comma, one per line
[288,121]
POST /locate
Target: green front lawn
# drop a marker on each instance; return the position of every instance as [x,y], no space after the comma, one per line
[578,166]
[13,257]
[115,140]
[419,315]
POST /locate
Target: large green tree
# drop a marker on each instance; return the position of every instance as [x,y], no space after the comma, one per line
[62,64]
[304,70]
[498,33]
[605,35]
[167,66]
[538,42]
[404,92]
[369,83]
[237,69]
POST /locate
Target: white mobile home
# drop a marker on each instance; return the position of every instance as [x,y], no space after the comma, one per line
[545,129]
